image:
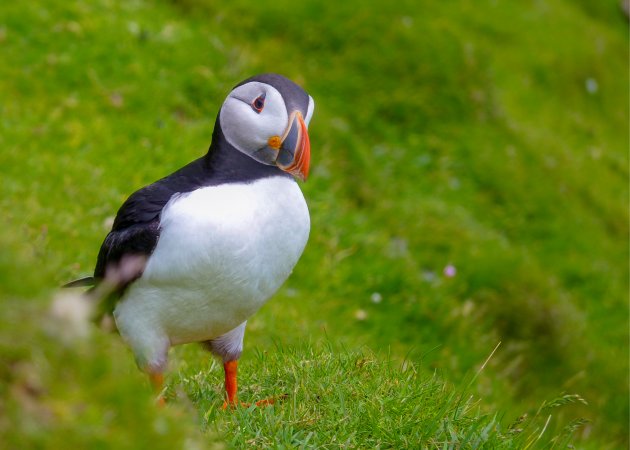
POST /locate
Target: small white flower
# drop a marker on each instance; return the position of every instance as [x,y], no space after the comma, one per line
[591,85]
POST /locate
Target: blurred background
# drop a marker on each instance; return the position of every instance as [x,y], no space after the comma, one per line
[469,186]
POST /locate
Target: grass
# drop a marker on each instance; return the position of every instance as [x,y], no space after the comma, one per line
[492,137]
[377,405]
[333,397]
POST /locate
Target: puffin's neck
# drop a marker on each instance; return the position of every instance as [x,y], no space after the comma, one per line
[229,164]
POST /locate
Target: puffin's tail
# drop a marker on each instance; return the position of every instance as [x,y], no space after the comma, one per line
[81,282]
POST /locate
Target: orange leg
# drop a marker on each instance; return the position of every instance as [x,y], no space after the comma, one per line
[231,386]
[157,381]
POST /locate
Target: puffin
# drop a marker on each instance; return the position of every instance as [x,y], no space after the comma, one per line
[192,256]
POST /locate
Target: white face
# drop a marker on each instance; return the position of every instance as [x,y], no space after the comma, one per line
[248,127]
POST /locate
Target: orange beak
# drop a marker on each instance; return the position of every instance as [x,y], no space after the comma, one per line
[294,155]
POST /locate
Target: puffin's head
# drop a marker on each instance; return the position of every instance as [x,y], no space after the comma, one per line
[266,117]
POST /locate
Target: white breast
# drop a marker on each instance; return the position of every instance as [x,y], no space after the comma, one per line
[223,251]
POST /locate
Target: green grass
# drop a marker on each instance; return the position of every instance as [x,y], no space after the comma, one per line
[337,398]
[77,391]
[492,136]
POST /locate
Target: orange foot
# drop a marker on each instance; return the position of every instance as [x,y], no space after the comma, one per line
[260,403]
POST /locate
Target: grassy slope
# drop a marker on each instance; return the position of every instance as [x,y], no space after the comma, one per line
[462,135]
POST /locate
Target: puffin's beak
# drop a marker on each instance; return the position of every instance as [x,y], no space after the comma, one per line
[294,155]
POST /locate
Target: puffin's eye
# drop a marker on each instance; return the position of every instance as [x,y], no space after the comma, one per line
[259,103]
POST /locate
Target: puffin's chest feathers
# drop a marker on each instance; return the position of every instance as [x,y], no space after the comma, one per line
[248,235]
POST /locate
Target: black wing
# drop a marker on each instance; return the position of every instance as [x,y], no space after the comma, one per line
[135,232]
[138,239]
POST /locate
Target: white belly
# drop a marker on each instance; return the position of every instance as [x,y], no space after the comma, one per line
[223,252]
